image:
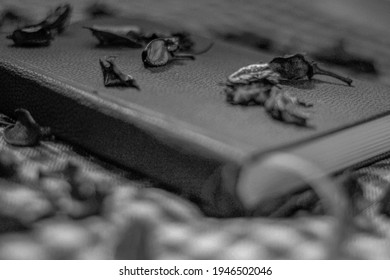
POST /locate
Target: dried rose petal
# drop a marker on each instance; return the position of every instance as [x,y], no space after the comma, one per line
[296,67]
[160,51]
[256,93]
[113,77]
[284,107]
[156,53]
[117,35]
[254,73]
[25,132]
[186,44]
[31,36]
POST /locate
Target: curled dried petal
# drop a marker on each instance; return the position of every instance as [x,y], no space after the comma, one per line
[296,67]
[160,51]
[117,35]
[31,36]
[254,73]
[287,108]
[113,77]
[256,93]
[186,43]
[25,132]
[156,53]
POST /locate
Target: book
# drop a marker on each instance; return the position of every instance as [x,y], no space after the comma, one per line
[179,128]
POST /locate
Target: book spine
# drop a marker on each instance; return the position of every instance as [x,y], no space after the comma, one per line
[125,137]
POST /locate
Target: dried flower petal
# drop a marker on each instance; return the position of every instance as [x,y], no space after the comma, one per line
[25,132]
[256,93]
[287,108]
[160,51]
[117,35]
[246,89]
[113,77]
[254,73]
[296,67]
[31,36]
[186,44]
[155,53]
[259,84]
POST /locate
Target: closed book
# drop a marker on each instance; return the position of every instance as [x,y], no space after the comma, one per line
[178,128]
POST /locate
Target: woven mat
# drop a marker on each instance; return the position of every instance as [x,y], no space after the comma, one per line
[139,221]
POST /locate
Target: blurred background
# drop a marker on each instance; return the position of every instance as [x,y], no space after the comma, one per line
[351,35]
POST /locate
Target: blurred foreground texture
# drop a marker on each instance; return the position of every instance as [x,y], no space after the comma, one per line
[124,216]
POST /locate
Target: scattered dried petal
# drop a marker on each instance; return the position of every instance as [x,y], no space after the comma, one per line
[25,132]
[161,51]
[254,73]
[155,53]
[287,108]
[243,89]
[259,84]
[31,36]
[245,95]
[117,35]
[296,67]
[113,77]
[187,44]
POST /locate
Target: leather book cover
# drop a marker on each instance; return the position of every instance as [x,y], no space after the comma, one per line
[178,127]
